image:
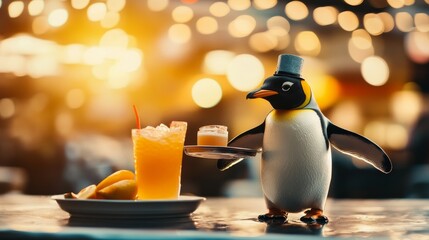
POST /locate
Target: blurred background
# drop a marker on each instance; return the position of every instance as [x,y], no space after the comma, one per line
[70,72]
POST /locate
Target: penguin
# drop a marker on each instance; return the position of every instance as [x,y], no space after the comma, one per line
[296,139]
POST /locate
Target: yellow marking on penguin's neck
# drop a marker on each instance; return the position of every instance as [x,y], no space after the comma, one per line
[307,91]
[284,115]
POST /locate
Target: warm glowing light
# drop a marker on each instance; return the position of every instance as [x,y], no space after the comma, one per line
[409,2]
[404,21]
[396,3]
[245,72]
[217,61]
[406,106]
[421,20]
[219,9]
[117,79]
[182,14]
[40,66]
[179,33]
[207,25]
[93,56]
[360,45]
[348,20]
[373,24]
[353,2]
[157,5]
[239,5]
[264,4]
[58,17]
[361,39]
[263,41]
[325,15]
[307,43]
[64,123]
[115,5]
[79,4]
[375,70]
[97,11]
[35,7]
[296,10]
[388,21]
[326,89]
[75,98]
[15,9]
[40,25]
[7,108]
[242,26]
[417,46]
[278,22]
[115,38]
[110,20]
[206,93]
[387,134]
[73,53]
[129,61]
[347,114]
[282,37]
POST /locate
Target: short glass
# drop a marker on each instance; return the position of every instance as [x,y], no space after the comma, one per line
[213,135]
[158,160]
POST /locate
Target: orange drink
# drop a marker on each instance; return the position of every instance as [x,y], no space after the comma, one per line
[158,160]
[213,135]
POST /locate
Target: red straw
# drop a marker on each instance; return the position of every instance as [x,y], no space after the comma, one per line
[137,116]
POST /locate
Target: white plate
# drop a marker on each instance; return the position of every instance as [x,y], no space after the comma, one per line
[97,208]
[218,152]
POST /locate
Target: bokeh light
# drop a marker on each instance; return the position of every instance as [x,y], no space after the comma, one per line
[58,17]
[15,9]
[264,4]
[245,72]
[75,98]
[217,61]
[348,21]
[115,5]
[239,5]
[7,108]
[206,92]
[388,21]
[79,4]
[417,46]
[360,45]
[179,33]
[404,21]
[421,21]
[219,9]
[263,41]
[373,24]
[326,15]
[157,5]
[307,43]
[35,7]
[406,106]
[375,70]
[182,14]
[242,26]
[207,25]
[96,11]
[353,2]
[296,10]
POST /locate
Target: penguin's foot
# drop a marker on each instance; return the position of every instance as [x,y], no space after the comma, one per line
[274,215]
[314,216]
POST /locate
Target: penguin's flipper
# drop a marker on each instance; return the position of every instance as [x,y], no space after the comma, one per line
[249,139]
[358,146]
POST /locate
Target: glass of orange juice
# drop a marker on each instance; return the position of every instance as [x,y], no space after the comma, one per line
[158,160]
[213,135]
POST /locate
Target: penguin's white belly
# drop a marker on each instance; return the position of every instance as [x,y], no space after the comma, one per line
[296,162]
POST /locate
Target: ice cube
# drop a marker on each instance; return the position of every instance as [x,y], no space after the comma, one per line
[162,127]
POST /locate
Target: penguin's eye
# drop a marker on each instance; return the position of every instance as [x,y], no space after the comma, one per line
[286,86]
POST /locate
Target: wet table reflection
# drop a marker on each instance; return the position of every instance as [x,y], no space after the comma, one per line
[39,217]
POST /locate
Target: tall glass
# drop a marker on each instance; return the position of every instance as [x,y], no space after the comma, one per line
[158,160]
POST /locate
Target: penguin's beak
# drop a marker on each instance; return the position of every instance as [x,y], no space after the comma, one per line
[261,93]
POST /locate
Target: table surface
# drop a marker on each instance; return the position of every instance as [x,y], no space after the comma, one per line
[39,217]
